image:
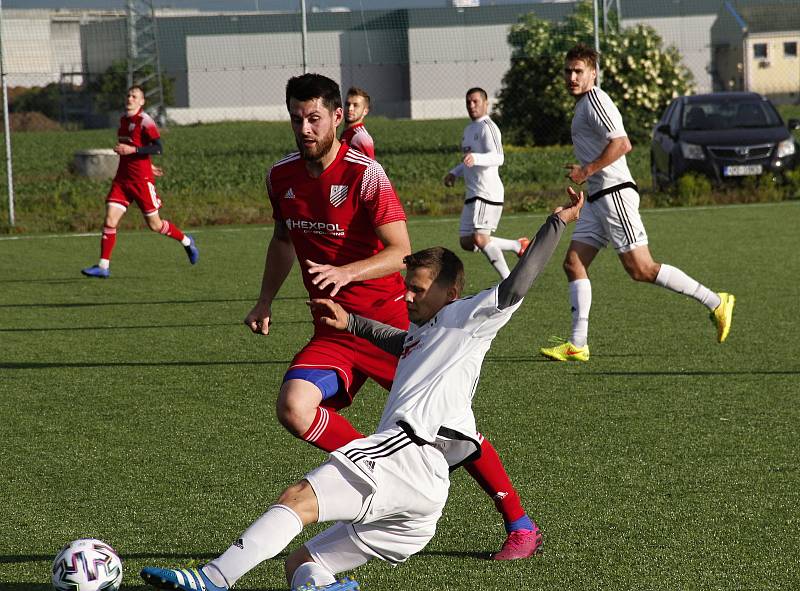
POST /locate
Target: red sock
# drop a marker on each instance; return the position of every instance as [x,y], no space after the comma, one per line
[489,472]
[171,230]
[330,430]
[107,242]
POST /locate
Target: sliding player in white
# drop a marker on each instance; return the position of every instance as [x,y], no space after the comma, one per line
[387,490]
[484,191]
[612,211]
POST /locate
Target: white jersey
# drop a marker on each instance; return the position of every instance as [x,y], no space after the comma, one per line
[482,139]
[438,373]
[596,121]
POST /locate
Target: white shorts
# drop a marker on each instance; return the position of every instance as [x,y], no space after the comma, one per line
[612,218]
[387,493]
[479,216]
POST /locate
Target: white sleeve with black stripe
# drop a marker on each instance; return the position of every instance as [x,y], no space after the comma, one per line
[603,114]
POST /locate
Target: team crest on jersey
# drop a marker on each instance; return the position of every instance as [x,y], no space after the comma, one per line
[338,194]
[131,126]
[289,194]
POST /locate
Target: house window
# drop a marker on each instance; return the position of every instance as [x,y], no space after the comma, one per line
[760,51]
[790,49]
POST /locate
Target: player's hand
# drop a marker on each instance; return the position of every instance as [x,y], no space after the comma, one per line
[124,149]
[259,318]
[329,276]
[329,313]
[576,173]
[449,179]
[469,160]
[570,212]
[157,170]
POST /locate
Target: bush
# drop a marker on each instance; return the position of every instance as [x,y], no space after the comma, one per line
[534,106]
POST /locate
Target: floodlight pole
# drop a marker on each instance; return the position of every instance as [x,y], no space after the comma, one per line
[304,35]
[6,126]
[597,41]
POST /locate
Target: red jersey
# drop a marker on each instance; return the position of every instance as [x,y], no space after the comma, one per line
[137,130]
[358,137]
[332,220]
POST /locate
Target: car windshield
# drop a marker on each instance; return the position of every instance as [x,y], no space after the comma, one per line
[730,115]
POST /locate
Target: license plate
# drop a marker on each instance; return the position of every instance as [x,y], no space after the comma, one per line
[743,170]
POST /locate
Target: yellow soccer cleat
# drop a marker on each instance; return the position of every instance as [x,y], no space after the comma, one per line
[566,351]
[722,316]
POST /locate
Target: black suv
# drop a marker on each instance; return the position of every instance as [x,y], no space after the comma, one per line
[723,135]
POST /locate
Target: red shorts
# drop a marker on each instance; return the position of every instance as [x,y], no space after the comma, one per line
[352,358]
[142,192]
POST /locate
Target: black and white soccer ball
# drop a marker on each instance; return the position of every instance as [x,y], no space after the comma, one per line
[87,565]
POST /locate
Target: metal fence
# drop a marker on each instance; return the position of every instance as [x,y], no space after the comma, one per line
[416,62]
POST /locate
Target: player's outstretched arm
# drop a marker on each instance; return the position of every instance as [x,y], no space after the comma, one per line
[514,287]
[280,257]
[383,336]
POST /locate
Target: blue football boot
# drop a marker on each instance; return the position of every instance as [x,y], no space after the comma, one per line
[96,271]
[346,584]
[185,579]
[191,250]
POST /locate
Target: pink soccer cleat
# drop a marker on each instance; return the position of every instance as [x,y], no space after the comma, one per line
[522,543]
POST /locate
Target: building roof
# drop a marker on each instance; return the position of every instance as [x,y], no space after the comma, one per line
[768,18]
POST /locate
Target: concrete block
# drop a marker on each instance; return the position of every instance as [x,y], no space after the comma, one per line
[96,164]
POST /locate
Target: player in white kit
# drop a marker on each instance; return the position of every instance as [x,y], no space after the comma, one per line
[611,214]
[387,491]
[484,192]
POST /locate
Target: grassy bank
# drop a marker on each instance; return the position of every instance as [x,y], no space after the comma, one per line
[215,174]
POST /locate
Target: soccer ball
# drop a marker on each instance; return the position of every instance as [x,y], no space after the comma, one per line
[87,565]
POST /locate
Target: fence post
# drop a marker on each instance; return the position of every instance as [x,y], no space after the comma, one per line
[6,126]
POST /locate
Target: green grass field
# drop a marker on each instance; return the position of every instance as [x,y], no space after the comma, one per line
[140,410]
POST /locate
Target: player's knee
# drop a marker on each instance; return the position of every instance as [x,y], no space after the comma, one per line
[572,266]
[294,416]
[293,562]
[467,243]
[154,224]
[643,273]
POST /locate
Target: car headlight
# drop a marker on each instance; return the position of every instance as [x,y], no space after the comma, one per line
[786,148]
[692,151]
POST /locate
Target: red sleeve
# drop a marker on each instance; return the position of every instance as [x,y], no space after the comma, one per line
[276,212]
[378,195]
[364,144]
[149,130]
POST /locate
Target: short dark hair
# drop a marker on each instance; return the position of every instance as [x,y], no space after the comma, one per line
[445,266]
[356,91]
[585,53]
[136,87]
[480,90]
[311,86]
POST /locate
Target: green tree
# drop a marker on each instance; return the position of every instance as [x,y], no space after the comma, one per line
[637,72]
[109,88]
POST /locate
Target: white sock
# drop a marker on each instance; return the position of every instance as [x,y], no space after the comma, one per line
[104,263]
[506,244]
[313,573]
[495,255]
[580,297]
[265,538]
[676,280]
[186,241]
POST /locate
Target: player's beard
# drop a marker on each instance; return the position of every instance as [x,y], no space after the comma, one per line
[318,150]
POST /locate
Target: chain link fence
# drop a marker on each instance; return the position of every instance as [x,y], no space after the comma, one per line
[415,62]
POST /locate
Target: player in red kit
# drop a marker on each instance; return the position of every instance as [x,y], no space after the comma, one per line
[137,140]
[355,134]
[337,213]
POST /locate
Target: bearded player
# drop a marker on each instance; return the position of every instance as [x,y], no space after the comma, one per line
[337,213]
